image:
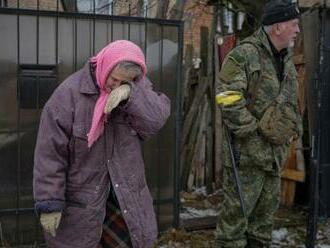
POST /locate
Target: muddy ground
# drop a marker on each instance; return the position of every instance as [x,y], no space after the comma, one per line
[289,227]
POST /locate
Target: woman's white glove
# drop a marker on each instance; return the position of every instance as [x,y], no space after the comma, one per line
[50,222]
[116,96]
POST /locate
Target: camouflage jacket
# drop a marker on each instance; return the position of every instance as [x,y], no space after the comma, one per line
[250,68]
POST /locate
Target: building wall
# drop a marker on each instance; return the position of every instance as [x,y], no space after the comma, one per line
[196,15]
[127,7]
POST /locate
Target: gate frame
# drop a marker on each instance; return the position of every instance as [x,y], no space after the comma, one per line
[179,78]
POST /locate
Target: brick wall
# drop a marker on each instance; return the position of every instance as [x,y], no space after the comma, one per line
[121,7]
[32,4]
[196,15]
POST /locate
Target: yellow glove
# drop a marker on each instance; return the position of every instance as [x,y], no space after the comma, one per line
[228,97]
[50,222]
[116,96]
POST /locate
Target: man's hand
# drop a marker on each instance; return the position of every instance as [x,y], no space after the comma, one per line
[50,222]
[278,125]
[116,96]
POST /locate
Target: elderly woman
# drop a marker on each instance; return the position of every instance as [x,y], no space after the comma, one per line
[89,182]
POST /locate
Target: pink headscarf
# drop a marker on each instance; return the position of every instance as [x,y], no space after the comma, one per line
[106,60]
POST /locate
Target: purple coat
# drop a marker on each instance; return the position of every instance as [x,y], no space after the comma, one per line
[71,178]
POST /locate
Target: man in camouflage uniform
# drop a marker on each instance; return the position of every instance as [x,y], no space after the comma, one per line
[262,124]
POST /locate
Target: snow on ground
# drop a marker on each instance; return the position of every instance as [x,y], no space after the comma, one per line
[289,224]
[190,213]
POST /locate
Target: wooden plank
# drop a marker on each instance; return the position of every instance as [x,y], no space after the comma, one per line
[300,155]
[301,70]
[289,186]
[200,179]
[292,171]
[198,160]
[288,189]
[298,59]
[199,223]
[209,152]
[204,37]
[203,84]
[218,148]
[294,175]
[187,77]
[190,147]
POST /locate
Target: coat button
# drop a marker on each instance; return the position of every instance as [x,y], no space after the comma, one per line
[116,185]
[133,132]
[125,211]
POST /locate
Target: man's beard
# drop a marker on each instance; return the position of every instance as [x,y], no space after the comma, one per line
[291,44]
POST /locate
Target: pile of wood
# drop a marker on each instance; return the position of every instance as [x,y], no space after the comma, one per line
[201,137]
[197,139]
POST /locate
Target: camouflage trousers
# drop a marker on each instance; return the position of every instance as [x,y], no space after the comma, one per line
[261,193]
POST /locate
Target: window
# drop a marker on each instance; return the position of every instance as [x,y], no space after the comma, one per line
[3,3]
[36,83]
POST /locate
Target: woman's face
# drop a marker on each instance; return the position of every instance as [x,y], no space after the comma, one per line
[116,78]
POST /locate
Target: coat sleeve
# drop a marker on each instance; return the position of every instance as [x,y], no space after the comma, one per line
[51,159]
[147,109]
[233,76]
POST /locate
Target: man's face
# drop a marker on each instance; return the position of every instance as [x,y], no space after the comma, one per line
[288,32]
[116,78]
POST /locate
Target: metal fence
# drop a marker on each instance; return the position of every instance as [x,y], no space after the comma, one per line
[316,25]
[40,48]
